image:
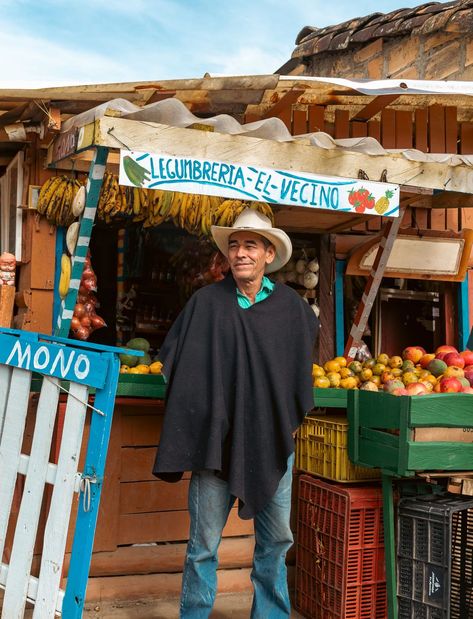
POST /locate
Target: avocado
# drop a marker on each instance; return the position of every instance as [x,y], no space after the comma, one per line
[139,343]
[129,360]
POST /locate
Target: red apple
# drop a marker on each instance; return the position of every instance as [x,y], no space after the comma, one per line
[454,358]
[441,355]
[468,356]
[391,385]
[445,348]
[416,389]
[399,391]
[413,353]
[450,385]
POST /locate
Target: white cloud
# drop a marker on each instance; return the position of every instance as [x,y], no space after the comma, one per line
[35,62]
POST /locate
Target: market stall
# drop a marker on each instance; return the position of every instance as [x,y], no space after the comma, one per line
[106,142]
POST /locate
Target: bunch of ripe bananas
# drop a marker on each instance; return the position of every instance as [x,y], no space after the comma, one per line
[193,212]
[120,202]
[55,200]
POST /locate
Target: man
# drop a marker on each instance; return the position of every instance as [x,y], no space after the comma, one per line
[238,362]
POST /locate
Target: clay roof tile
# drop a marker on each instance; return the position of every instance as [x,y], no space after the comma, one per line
[423,19]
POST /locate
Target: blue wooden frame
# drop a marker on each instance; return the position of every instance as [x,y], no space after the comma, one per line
[22,348]
[463,315]
[339,308]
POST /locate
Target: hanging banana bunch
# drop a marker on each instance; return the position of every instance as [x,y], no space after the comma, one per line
[194,213]
[56,199]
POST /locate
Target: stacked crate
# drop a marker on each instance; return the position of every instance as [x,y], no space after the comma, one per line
[340,572]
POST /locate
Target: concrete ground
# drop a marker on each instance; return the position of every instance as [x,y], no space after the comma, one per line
[234,606]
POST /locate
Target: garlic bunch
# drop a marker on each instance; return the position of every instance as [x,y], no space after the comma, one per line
[303,272]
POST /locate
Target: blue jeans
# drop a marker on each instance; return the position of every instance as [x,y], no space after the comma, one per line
[209,506]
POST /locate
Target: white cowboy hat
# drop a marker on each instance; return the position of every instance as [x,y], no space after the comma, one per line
[250,219]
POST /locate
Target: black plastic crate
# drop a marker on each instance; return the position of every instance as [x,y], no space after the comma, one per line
[435,557]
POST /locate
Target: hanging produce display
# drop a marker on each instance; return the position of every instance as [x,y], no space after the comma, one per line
[193,212]
[85,319]
[56,199]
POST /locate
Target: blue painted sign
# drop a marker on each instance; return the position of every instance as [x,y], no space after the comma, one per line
[85,367]
[216,178]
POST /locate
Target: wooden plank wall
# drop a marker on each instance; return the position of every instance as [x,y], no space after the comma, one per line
[434,129]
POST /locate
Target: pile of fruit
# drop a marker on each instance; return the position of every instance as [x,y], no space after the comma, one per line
[132,364]
[192,212]
[414,373]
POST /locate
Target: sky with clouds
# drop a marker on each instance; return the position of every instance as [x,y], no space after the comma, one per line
[58,42]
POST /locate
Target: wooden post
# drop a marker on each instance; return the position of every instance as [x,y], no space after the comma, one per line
[94,184]
[7,302]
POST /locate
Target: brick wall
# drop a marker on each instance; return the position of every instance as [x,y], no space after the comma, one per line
[437,56]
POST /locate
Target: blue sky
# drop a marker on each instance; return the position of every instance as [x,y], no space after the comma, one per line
[54,42]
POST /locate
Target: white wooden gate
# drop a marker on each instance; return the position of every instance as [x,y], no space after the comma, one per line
[59,366]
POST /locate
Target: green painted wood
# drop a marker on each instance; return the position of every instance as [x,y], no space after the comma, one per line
[378,410]
[389,545]
[330,398]
[353,441]
[94,184]
[441,409]
[448,456]
[371,453]
[379,436]
[405,433]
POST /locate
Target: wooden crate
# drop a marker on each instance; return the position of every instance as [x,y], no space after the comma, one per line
[382,431]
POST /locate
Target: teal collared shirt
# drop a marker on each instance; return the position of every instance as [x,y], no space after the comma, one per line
[267,287]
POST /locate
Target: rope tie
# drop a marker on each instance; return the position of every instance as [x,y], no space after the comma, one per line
[86,404]
[86,490]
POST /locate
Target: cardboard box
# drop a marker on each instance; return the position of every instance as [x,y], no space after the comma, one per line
[443,435]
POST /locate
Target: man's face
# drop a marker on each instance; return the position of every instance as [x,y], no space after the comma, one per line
[248,255]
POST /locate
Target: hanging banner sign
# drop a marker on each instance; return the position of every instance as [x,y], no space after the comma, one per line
[215,178]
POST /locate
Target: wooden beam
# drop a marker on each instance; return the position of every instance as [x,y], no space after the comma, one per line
[298,155]
[374,107]
[284,102]
[372,285]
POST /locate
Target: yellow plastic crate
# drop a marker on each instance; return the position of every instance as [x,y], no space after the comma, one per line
[321,449]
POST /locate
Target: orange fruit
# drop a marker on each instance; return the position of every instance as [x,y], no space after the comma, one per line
[331,366]
[409,377]
[378,369]
[395,362]
[382,358]
[346,372]
[376,380]
[454,371]
[348,383]
[334,378]
[322,382]
[317,370]
[366,374]
[342,362]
